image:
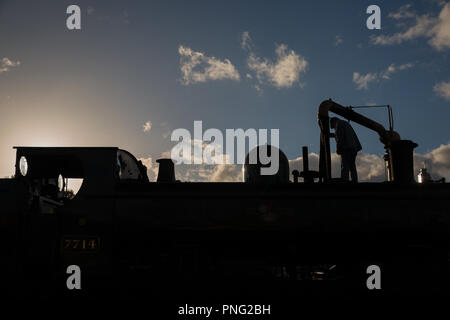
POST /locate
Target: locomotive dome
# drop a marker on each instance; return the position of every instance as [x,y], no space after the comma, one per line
[252,172]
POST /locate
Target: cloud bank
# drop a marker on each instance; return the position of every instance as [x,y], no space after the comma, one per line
[434,28]
[370,167]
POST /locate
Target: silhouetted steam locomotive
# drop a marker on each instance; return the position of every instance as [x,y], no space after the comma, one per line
[264,236]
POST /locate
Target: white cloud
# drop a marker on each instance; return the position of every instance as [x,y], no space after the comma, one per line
[437,162]
[197,67]
[370,167]
[246,41]
[443,89]
[201,151]
[227,173]
[152,168]
[437,29]
[220,174]
[147,126]
[283,72]
[209,173]
[402,13]
[259,89]
[338,40]
[363,81]
[423,27]
[6,64]
[441,38]
[386,74]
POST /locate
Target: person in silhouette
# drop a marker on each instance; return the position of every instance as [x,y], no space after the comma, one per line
[347,146]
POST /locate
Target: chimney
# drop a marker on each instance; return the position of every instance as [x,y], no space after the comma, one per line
[166,172]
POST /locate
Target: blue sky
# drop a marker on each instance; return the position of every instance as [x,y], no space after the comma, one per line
[101,84]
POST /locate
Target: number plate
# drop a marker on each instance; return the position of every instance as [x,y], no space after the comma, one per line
[80,244]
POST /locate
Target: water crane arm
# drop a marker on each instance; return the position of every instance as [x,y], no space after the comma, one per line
[386,136]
